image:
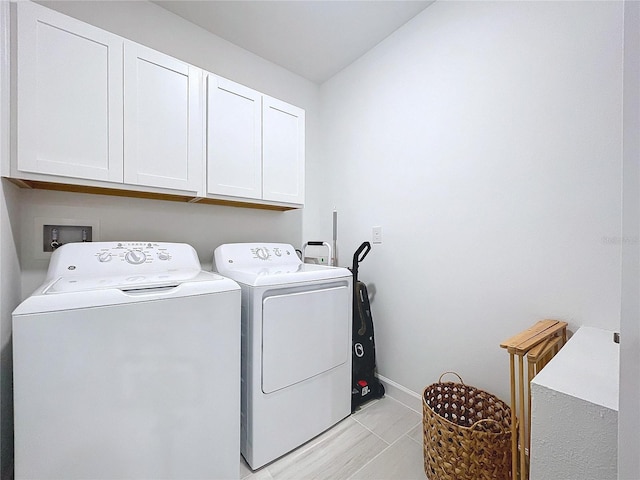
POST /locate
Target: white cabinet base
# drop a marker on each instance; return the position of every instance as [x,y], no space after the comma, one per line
[148,193]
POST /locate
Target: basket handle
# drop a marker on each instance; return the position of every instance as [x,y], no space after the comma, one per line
[452,373]
[490,421]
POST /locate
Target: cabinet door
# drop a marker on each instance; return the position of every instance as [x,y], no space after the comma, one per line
[282,152]
[69,94]
[163,145]
[234,162]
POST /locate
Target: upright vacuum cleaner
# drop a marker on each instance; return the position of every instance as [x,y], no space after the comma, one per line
[365,385]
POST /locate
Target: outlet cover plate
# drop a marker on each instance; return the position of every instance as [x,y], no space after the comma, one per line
[377,234]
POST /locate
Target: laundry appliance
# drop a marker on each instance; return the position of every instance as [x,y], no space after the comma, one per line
[296,346]
[127,366]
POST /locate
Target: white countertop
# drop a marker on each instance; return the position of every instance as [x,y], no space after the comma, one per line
[587,367]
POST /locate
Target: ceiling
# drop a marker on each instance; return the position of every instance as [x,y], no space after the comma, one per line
[313,38]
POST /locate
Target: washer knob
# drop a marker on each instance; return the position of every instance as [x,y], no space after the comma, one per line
[104,257]
[163,256]
[135,257]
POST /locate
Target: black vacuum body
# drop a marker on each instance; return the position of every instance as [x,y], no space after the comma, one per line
[365,385]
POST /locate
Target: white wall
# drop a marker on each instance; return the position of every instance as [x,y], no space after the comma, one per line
[151,25]
[204,226]
[9,266]
[9,299]
[629,425]
[485,138]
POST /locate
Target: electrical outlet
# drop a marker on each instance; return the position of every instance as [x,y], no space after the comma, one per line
[377,234]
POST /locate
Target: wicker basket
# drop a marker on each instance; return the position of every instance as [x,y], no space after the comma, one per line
[467,433]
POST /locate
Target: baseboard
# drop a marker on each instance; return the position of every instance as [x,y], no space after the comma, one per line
[402,394]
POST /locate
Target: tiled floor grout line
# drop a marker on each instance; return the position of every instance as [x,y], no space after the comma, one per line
[371,431]
[421,425]
[354,416]
[385,441]
[380,453]
[421,442]
[317,444]
[374,434]
[366,405]
[389,445]
[312,444]
[404,404]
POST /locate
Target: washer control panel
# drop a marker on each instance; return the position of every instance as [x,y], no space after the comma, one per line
[134,253]
[115,258]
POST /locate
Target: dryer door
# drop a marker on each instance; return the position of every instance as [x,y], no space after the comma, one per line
[304,334]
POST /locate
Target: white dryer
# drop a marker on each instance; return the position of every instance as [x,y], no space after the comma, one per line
[296,346]
[127,366]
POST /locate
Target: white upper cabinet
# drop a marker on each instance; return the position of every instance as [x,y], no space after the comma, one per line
[255,144]
[97,110]
[69,94]
[283,147]
[163,138]
[234,157]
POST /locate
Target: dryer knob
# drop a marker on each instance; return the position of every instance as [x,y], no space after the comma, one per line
[262,253]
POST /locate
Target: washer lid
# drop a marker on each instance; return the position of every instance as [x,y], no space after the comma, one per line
[260,264]
[85,275]
[69,293]
[126,283]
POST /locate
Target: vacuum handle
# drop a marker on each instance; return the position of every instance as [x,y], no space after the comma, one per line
[362,251]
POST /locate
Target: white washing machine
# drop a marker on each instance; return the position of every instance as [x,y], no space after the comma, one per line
[127,366]
[296,346]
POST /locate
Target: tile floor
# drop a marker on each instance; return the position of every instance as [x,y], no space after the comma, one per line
[382,440]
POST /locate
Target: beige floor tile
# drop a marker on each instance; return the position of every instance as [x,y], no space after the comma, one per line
[401,461]
[351,450]
[388,418]
[366,405]
[417,434]
[262,474]
[245,471]
[335,455]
